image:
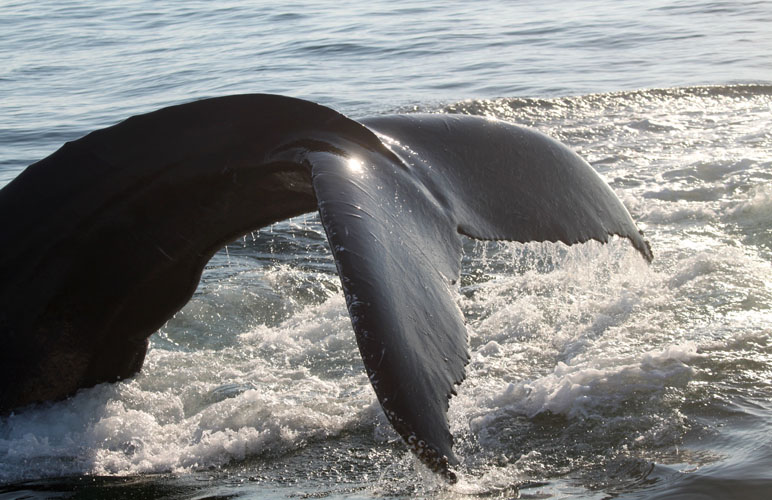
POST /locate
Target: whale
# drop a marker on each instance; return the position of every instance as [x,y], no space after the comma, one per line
[105,239]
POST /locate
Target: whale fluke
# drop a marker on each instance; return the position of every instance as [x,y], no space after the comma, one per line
[104,240]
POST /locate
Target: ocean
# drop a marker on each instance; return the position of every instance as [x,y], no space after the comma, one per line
[592,375]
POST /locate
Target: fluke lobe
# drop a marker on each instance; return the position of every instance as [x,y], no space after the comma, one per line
[104,240]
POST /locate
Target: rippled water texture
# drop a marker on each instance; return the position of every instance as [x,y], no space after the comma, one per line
[592,374]
[72,66]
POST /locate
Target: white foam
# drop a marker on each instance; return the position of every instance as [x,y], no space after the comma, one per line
[680,211]
[188,410]
[575,390]
[756,208]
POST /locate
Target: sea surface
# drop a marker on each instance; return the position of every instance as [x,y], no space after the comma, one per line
[592,375]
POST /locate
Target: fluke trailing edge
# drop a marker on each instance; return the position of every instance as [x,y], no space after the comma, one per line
[104,240]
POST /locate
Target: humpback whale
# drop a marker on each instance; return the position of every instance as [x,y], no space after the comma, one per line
[105,239]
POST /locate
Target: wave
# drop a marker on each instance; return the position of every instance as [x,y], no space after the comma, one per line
[607,102]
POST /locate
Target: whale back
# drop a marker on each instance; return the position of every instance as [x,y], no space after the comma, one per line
[104,240]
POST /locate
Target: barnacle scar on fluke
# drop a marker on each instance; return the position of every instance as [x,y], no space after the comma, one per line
[151,199]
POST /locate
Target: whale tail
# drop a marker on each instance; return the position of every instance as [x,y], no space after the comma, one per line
[104,240]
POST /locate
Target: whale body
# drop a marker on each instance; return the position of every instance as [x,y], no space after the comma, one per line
[105,239]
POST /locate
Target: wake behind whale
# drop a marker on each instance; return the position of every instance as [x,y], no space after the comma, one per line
[153,198]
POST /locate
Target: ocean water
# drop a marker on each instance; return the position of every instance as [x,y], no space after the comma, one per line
[593,375]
